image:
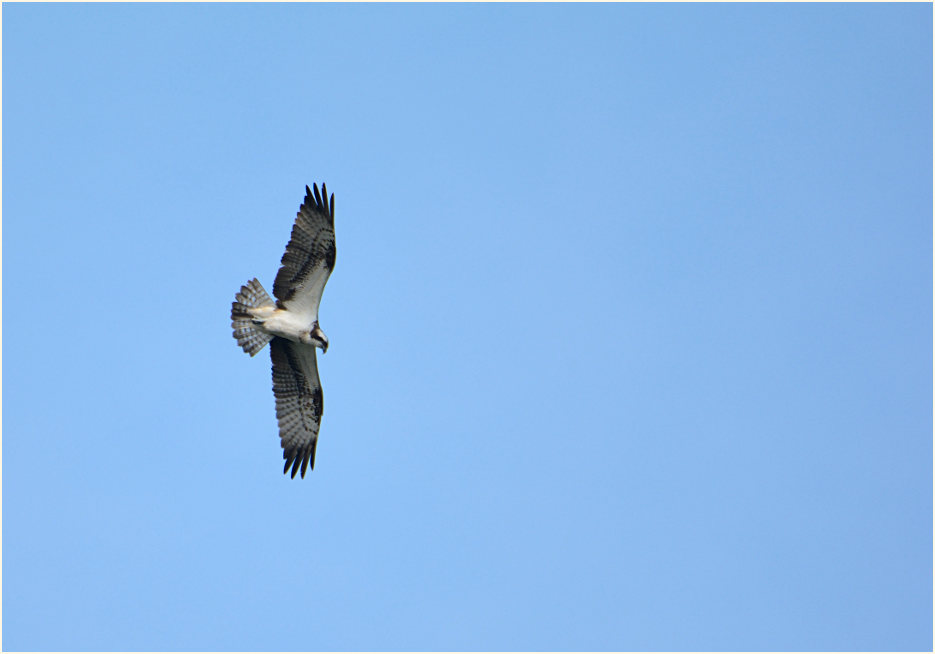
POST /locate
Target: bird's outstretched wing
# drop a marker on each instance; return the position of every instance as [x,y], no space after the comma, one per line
[299,402]
[309,257]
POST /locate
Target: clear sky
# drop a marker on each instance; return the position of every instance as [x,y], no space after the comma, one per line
[631,327]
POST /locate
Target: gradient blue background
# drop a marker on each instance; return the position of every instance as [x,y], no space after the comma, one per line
[631,327]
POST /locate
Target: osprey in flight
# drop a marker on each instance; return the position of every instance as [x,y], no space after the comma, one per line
[290,326]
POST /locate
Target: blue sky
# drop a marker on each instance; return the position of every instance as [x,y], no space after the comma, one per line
[631,327]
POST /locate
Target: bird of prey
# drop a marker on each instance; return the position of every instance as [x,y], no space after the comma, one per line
[290,326]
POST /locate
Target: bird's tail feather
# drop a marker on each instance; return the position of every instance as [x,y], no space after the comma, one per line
[251,295]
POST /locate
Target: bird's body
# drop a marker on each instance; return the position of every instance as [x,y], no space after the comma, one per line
[290,326]
[286,324]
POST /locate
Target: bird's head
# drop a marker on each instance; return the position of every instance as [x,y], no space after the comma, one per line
[317,338]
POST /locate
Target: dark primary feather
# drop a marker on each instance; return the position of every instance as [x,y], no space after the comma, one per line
[299,402]
[311,245]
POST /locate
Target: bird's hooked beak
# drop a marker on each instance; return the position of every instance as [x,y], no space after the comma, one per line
[320,336]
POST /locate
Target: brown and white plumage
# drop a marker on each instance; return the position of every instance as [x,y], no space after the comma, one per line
[299,402]
[291,327]
[309,256]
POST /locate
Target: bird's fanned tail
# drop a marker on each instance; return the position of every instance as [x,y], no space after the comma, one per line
[252,295]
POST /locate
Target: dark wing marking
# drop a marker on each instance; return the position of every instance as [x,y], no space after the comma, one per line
[299,402]
[310,254]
